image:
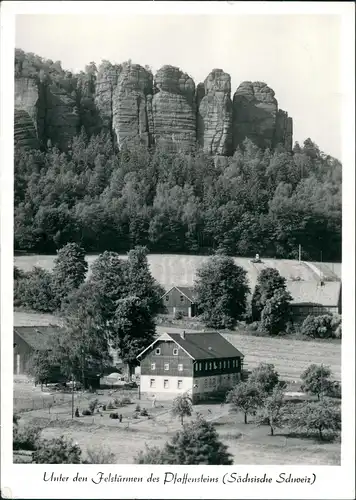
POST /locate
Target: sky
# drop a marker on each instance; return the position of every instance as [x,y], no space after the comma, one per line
[298,56]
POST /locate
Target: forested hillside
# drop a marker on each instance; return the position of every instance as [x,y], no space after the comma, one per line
[264,201]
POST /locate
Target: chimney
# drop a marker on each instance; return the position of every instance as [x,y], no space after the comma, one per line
[183,334]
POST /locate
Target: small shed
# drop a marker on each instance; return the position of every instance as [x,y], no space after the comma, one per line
[180,299]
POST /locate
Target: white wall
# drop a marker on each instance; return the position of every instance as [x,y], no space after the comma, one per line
[203,385]
[159,390]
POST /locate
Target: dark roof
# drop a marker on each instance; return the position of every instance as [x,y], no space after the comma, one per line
[37,337]
[188,291]
[206,345]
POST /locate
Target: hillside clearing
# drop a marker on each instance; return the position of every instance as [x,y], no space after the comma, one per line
[180,270]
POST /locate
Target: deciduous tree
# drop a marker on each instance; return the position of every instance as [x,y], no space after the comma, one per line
[246,397]
[317,380]
[221,289]
[182,407]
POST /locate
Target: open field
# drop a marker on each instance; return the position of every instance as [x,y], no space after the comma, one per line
[175,269]
[249,444]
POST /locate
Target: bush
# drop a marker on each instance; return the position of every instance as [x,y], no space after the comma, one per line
[125,400]
[87,412]
[114,415]
[57,451]
[93,404]
[321,327]
[110,406]
[25,438]
[143,412]
[178,315]
[138,408]
[99,455]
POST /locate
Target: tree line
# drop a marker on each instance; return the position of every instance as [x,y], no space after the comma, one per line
[256,201]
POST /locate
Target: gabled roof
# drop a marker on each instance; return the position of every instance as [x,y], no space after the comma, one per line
[201,345]
[37,337]
[307,292]
[187,291]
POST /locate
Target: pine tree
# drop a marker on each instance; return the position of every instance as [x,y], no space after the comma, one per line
[70,268]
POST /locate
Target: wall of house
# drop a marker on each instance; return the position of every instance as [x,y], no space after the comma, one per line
[204,386]
[300,312]
[164,387]
[224,366]
[166,363]
[174,301]
[22,355]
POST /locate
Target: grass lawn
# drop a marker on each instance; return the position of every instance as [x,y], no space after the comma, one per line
[249,444]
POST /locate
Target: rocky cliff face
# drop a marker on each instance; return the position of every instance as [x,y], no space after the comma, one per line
[254,114]
[284,130]
[137,109]
[28,124]
[173,110]
[130,118]
[214,119]
[62,121]
[106,83]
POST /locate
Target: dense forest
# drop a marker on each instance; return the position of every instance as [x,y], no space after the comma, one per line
[256,201]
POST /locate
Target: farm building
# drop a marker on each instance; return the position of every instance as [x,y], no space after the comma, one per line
[180,299]
[29,339]
[314,298]
[200,364]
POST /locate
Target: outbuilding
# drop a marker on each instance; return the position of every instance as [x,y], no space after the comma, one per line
[180,299]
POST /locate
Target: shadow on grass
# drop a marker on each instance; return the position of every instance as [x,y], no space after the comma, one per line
[327,437]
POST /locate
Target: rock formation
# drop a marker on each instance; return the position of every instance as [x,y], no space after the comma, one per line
[137,109]
[62,115]
[214,120]
[106,82]
[254,114]
[28,122]
[130,120]
[173,110]
[284,130]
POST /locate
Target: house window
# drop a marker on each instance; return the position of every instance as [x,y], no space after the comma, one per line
[166,366]
[158,351]
[220,365]
[206,382]
[224,364]
[228,364]
[206,366]
[233,363]
[215,366]
[180,368]
[181,298]
[153,382]
[199,366]
[153,366]
[180,384]
[175,352]
[167,298]
[210,366]
[165,384]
